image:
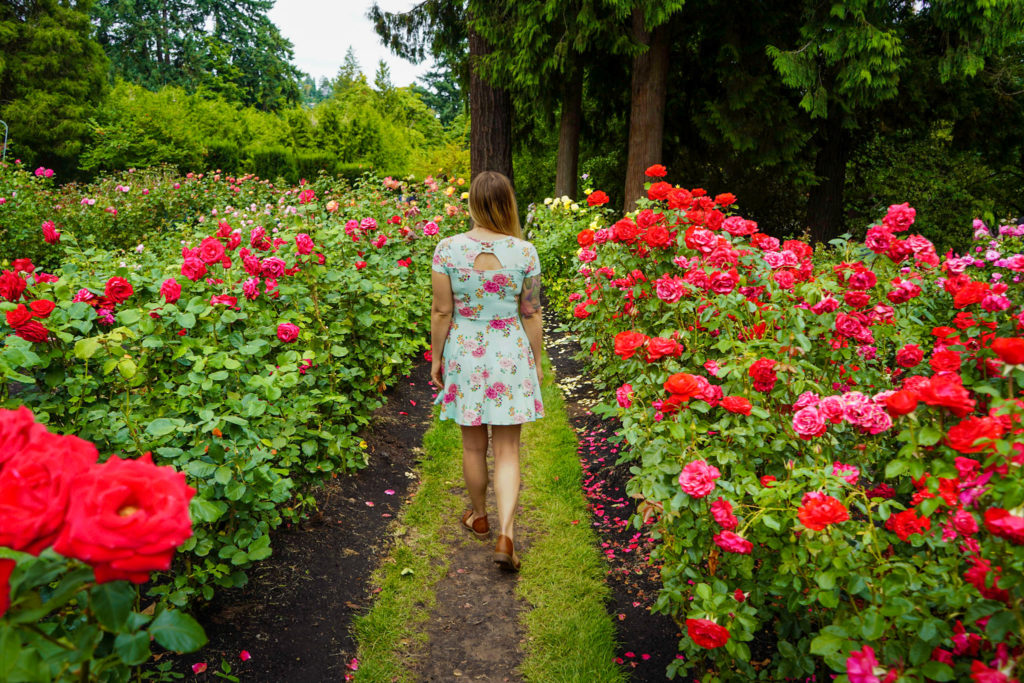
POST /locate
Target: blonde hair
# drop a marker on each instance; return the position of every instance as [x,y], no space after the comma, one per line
[492,204]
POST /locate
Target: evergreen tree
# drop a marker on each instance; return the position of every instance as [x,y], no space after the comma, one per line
[52,77]
[349,73]
[441,92]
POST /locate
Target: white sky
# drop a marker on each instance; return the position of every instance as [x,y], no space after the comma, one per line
[322,30]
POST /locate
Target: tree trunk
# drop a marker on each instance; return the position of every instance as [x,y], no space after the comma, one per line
[825,201]
[647,107]
[490,115]
[567,174]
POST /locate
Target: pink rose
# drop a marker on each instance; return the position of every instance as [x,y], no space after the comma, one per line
[211,250]
[193,268]
[733,543]
[670,289]
[170,290]
[721,510]
[624,395]
[287,332]
[698,478]
[251,288]
[809,422]
[304,243]
[900,217]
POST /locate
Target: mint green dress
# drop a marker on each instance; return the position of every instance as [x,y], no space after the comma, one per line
[490,374]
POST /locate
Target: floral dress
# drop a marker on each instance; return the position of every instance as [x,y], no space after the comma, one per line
[489,371]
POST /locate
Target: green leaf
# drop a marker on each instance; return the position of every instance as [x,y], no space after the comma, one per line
[86,348]
[999,624]
[132,648]
[771,522]
[873,626]
[186,320]
[937,671]
[163,426]
[127,368]
[826,644]
[929,435]
[895,468]
[129,316]
[222,475]
[112,603]
[177,631]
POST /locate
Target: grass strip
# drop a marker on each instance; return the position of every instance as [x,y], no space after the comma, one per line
[392,631]
[570,635]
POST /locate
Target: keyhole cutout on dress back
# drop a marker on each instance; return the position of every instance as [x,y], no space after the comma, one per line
[487,261]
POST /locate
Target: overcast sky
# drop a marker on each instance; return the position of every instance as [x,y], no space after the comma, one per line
[322,31]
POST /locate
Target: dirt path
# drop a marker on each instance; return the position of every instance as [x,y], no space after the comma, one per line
[294,616]
[474,633]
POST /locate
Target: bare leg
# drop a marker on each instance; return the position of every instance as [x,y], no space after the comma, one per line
[505,441]
[474,468]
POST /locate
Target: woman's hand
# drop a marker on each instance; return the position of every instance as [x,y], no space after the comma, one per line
[435,373]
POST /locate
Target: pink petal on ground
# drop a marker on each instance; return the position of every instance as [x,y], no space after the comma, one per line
[412,401]
[645,656]
[369,503]
[389,492]
[354,664]
[244,655]
[199,667]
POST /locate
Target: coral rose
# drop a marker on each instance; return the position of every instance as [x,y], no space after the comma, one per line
[683,385]
[660,347]
[737,404]
[597,198]
[707,633]
[126,518]
[698,478]
[974,434]
[721,510]
[902,402]
[947,391]
[656,171]
[817,511]
[627,343]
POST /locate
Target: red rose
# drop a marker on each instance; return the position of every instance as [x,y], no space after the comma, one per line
[818,511]
[627,343]
[902,402]
[33,331]
[948,392]
[211,250]
[725,199]
[964,435]
[585,237]
[945,361]
[678,198]
[659,347]
[656,171]
[767,481]
[6,567]
[1001,523]
[624,231]
[659,191]
[18,428]
[971,293]
[18,316]
[118,289]
[707,633]
[658,236]
[126,518]
[42,308]
[50,234]
[597,198]
[909,356]
[1009,349]
[22,265]
[905,524]
[763,373]
[683,385]
[736,404]
[11,285]
[856,299]
[35,486]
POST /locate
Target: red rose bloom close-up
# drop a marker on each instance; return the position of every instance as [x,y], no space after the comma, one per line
[818,511]
[659,191]
[597,198]
[18,316]
[126,518]
[683,385]
[974,434]
[287,332]
[42,308]
[1009,349]
[211,250]
[707,633]
[118,289]
[737,404]
[947,391]
[763,373]
[33,331]
[733,543]
[656,171]
[906,523]
[35,486]
[12,285]
[660,347]
[902,402]
[627,343]
[909,356]
[585,237]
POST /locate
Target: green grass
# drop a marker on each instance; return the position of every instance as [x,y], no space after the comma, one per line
[570,635]
[392,631]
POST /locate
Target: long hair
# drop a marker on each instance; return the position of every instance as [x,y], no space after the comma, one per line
[492,204]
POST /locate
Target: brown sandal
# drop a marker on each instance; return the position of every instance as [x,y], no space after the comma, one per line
[505,554]
[479,527]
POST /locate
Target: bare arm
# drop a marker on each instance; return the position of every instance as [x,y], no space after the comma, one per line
[440,321]
[531,313]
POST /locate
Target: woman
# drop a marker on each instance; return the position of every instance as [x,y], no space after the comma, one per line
[485,327]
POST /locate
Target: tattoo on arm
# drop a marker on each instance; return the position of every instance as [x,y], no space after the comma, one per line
[529,300]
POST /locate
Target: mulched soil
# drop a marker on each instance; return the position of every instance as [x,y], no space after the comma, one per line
[294,616]
[649,641]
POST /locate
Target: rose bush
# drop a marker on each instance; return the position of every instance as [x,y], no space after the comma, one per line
[835,453]
[246,346]
[71,616]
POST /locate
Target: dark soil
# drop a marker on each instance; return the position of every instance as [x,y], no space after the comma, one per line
[649,641]
[294,616]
